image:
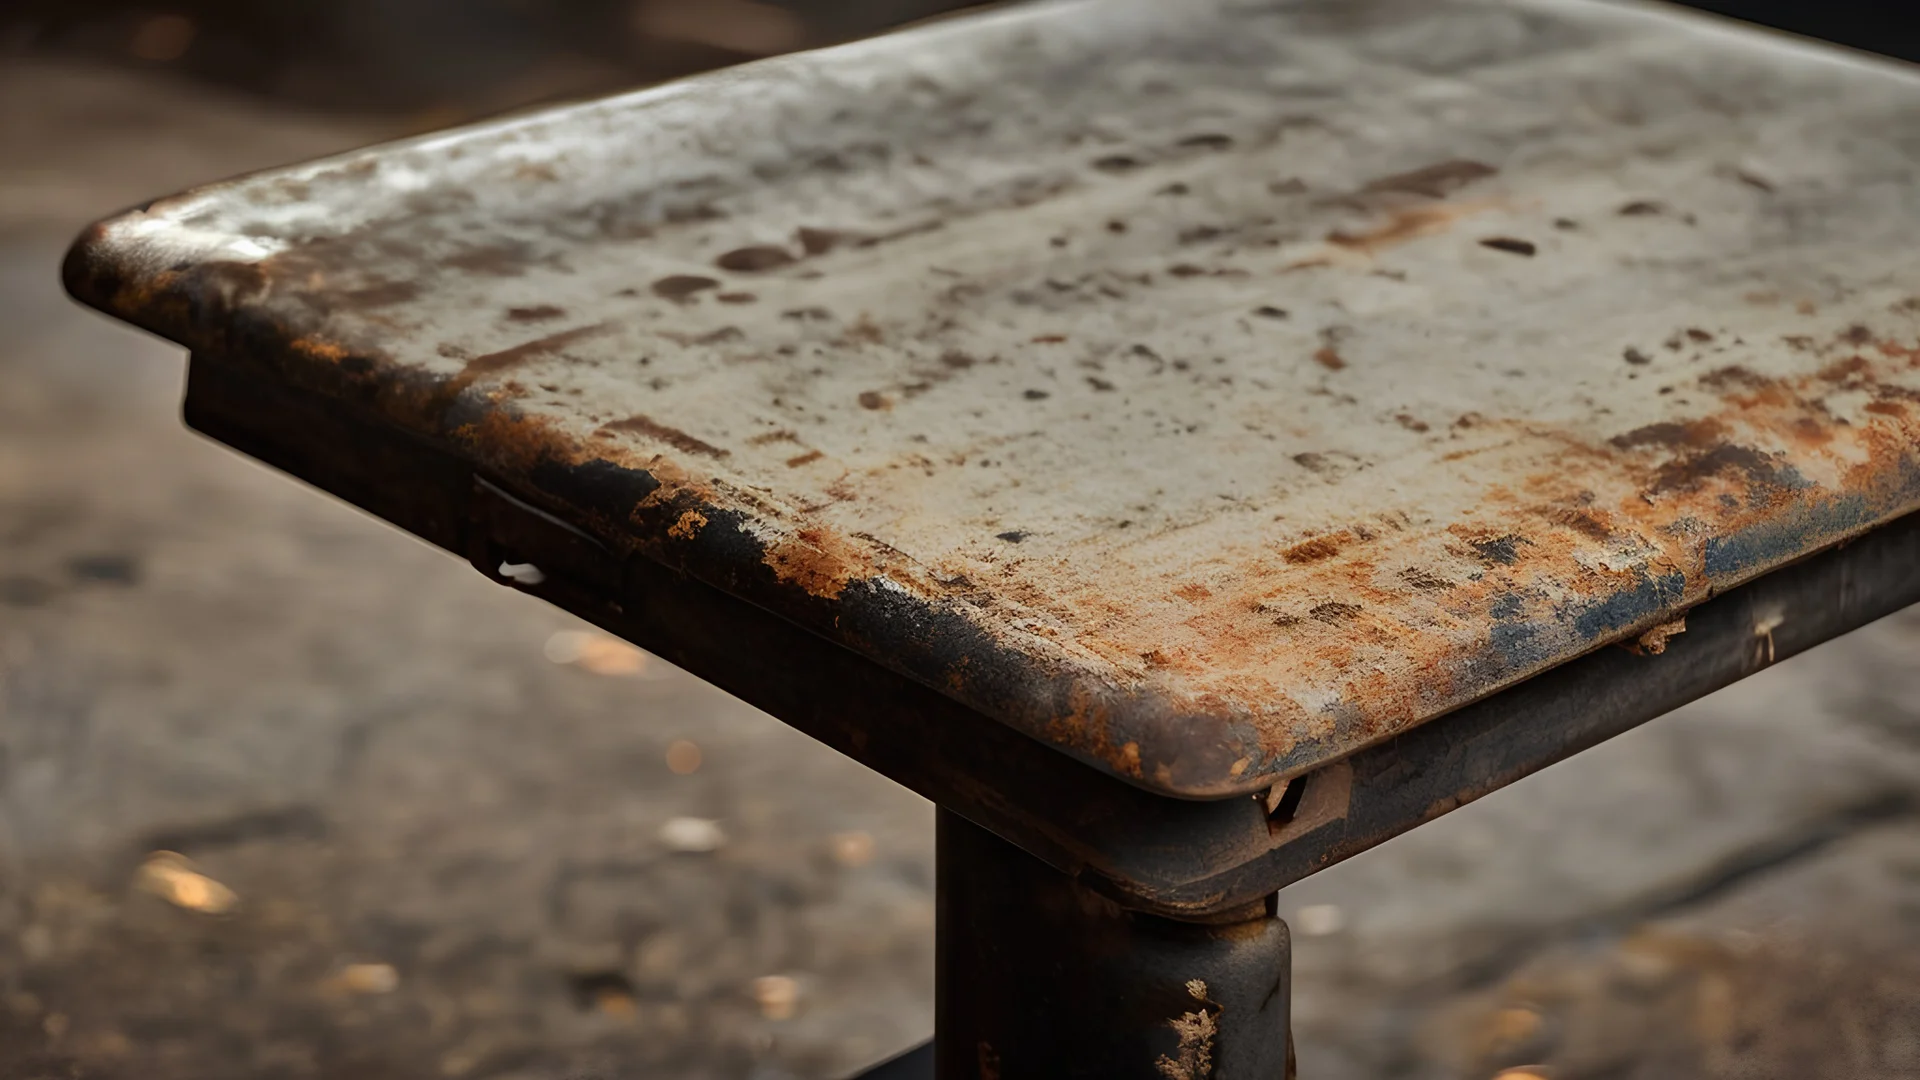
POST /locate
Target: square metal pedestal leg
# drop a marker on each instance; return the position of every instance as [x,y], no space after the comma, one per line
[1039,978]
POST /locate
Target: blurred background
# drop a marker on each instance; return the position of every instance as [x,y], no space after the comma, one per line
[445,59]
[441,58]
[285,794]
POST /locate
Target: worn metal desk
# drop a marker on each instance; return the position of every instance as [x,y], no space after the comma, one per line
[1190,443]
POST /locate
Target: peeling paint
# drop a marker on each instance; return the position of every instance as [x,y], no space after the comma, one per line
[1196,1029]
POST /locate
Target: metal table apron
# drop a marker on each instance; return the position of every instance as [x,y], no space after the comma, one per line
[1191,444]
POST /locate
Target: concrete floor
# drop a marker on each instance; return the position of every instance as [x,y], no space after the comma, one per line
[450,855]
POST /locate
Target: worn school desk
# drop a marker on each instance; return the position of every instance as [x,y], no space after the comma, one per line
[1189,443]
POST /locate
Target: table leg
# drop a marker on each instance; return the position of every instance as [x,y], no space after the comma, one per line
[1039,978]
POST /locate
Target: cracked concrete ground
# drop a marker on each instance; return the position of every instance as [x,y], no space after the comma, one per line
[452,856]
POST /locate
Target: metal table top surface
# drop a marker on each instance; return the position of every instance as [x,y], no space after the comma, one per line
[1209,390]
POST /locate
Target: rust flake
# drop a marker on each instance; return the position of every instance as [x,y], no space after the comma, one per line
[818,561]
[688,525]
[515,444]
[328,352]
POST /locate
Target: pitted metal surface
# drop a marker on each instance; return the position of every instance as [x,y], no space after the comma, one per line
[1209,390]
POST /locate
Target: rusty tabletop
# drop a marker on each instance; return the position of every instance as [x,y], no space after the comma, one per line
[1208,391]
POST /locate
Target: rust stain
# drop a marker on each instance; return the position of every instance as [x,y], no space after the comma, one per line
[821,241]
[818,561]
[1847,370]
[688,526]
[1580,520]
[1698,434]
[1687,474]
[1893,350]
[1434,181]
[515,444]
[1699,450]
[756,259]
[1402,226]
[1334,612]
[1316,549]
[672,436]
[495,362]
[330,352]
[681,288]
[1654,641]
